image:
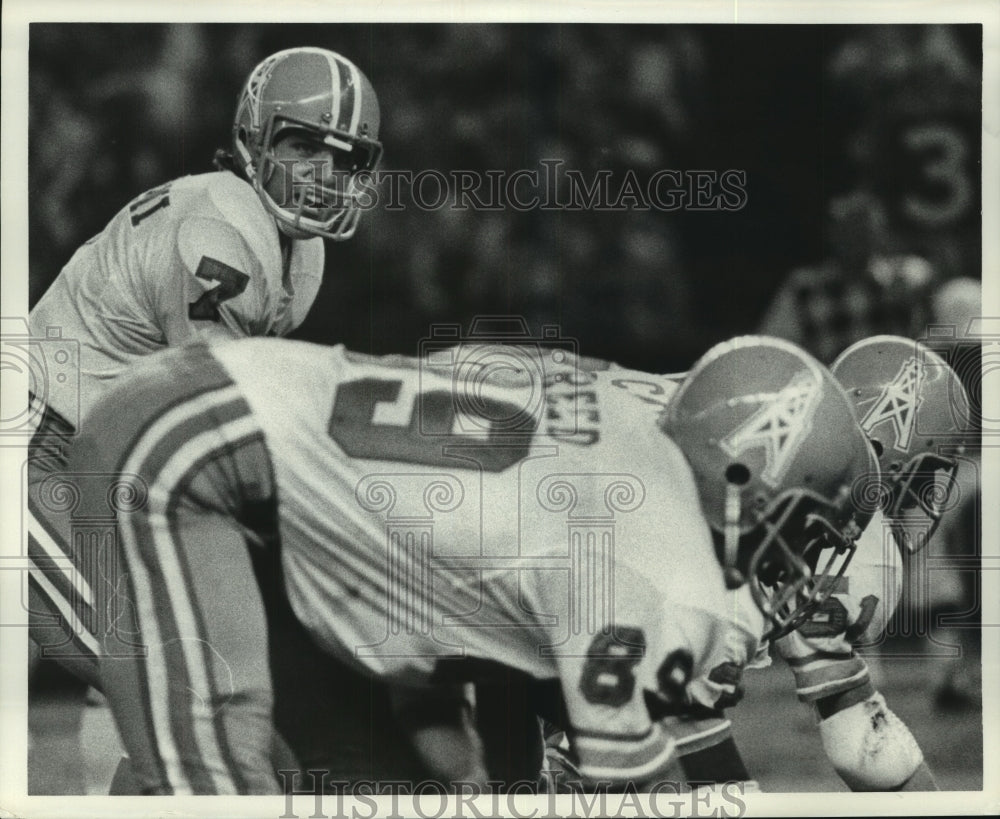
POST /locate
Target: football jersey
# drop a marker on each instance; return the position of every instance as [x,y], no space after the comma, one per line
[439,515]
[721,685]
[195,256]
[742,648]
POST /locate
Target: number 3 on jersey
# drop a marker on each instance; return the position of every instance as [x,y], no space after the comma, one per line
[428,435]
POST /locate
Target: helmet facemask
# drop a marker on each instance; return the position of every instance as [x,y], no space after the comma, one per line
[920,496]
[331,103]
[787,583]
[320,201]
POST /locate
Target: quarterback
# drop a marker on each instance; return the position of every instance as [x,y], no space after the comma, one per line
[232,253]
[439,519]
[221,255]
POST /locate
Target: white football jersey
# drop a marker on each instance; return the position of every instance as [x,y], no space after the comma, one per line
[721,684]
[471,508]
[191,257]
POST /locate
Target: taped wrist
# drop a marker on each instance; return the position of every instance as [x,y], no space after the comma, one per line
[821,674]
[869,746]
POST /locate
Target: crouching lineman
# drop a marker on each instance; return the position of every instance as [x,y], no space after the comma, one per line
[914,411]
[437,520]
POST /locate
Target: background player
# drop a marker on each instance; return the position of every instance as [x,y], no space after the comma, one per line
[420,467]
[915,412]
[237,252]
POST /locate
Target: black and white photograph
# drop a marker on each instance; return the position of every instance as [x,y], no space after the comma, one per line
[482,411]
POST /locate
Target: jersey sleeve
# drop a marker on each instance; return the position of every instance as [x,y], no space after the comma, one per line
[219,287]
[819,673]
[696,729]
[727,651]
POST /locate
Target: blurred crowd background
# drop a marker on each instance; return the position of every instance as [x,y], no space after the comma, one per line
[860,147]
[884,118]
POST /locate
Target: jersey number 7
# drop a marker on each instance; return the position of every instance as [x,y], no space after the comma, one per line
[231,281]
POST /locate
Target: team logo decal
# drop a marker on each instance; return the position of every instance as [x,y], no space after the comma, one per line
[897,403]
[779,426]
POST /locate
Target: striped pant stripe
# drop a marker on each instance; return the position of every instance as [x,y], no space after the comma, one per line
[57,584]
[620,760]
[696,735]
[208,658]
[53,554]
[83,639]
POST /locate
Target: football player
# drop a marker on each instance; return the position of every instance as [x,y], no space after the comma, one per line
[913,408]
[439,519]
[221,255]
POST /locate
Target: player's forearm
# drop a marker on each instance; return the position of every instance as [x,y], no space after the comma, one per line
[869,746]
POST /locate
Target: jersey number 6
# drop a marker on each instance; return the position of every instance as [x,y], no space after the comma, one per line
[428,435]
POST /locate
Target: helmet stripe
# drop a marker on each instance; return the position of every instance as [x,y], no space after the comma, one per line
[355,97]
[348,84]
[335,84]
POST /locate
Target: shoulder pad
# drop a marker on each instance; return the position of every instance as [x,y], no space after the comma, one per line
[238,204]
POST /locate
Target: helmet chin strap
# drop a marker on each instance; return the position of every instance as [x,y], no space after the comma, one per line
[731,538]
